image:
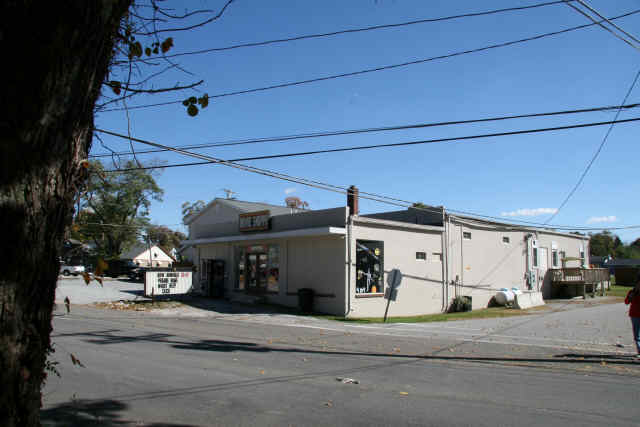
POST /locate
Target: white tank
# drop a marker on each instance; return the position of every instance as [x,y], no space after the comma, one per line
[504,296]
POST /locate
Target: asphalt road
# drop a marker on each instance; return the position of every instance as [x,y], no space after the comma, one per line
[247,369]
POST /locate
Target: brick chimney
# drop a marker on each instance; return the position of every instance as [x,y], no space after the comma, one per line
[352,200]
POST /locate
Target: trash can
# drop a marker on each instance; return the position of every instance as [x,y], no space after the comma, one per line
[305,300]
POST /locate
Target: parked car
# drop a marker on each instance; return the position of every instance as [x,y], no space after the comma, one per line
[138,273]
[74,270]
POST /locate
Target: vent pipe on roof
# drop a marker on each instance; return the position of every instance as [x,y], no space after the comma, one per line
[353,200]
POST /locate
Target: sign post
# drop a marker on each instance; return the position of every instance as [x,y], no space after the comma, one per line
[394,279]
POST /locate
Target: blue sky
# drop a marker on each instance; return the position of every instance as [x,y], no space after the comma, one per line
[520,177]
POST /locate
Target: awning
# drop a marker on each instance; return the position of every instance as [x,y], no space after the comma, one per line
[304,232]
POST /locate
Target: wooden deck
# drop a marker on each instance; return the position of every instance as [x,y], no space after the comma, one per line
[577,281]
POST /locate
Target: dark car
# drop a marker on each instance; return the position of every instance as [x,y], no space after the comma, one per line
[137,274]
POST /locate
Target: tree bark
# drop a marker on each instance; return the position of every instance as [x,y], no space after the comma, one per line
[56,56]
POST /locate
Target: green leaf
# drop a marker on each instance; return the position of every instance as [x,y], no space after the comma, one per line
[192,100]
[185,102]
[147,51]
[192,110]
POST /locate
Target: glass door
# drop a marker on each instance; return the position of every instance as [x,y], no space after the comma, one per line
[257,272]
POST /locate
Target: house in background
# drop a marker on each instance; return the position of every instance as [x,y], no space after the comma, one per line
[145,256]
[245,248]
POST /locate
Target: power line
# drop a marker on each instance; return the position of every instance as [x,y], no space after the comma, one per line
[333,188]
[595,156]
[357,30]
[568,2]
[318,134]
[356,148]
[372,70]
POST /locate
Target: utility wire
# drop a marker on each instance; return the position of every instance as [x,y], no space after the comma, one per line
[372,70]
[358,30]
[595,156]
[585,4]
[333,188]
[318,134]
[599,23]
[355,148]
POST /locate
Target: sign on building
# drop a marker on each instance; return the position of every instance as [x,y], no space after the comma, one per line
[254,221]
[167,282]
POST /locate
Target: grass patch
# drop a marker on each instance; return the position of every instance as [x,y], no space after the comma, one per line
[618,291]
[486,313]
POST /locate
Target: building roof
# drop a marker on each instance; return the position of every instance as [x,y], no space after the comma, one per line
[244,206]
[136,250]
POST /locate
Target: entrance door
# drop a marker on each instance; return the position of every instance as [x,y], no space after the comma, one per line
[257,277]
[216,277]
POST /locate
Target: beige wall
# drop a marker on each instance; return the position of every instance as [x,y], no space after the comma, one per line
[421,289]
[216,214]
[319,264]
[484,263]
[305,262]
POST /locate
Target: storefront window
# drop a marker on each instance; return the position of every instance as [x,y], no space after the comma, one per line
[258,268]
[241,267]
[369,266]
[273,271]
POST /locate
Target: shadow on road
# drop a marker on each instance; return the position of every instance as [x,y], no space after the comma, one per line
[77,413]
[113,336]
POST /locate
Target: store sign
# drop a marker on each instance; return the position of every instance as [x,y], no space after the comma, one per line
[254,221]
[167,282]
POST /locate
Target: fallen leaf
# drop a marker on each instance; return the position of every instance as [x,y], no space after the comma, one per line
[329,404]
[262,372]
[404,393]
[76,361]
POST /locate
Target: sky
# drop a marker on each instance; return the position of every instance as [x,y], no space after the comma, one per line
[515,178]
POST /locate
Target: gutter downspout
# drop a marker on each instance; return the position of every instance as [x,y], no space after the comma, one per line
[461,284]
[349,232]
[445,262]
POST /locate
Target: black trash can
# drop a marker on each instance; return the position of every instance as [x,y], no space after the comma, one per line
[305,300]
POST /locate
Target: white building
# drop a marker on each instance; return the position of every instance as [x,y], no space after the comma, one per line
[145,256]
[273,251]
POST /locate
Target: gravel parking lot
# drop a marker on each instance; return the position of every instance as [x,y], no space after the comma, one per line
[111,290]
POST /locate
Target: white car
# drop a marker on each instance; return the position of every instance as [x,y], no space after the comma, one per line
[71,269]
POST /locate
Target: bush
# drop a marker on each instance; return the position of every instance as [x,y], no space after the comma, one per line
[459,304]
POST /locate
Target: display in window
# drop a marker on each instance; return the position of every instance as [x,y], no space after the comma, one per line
[241,268]
[369,266]
[274,268]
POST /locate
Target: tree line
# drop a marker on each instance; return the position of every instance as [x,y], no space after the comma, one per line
[605,243]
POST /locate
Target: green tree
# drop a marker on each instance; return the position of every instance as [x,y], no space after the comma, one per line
[603,244]
[164,237]
[189,208]
[113,208]
[61,56]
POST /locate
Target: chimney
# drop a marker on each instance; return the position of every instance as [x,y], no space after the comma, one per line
[352,200]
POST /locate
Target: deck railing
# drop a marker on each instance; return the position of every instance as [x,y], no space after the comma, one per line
[578,274]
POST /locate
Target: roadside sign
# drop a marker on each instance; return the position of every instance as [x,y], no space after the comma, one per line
[167,283]
[394,278]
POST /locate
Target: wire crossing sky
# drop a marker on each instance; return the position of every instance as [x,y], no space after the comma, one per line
[538,59]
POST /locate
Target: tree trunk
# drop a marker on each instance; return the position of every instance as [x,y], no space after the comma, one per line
[56,55]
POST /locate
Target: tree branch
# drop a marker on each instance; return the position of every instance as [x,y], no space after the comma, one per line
[201,24]
[168,89]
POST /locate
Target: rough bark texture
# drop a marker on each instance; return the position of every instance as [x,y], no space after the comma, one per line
[56,55]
